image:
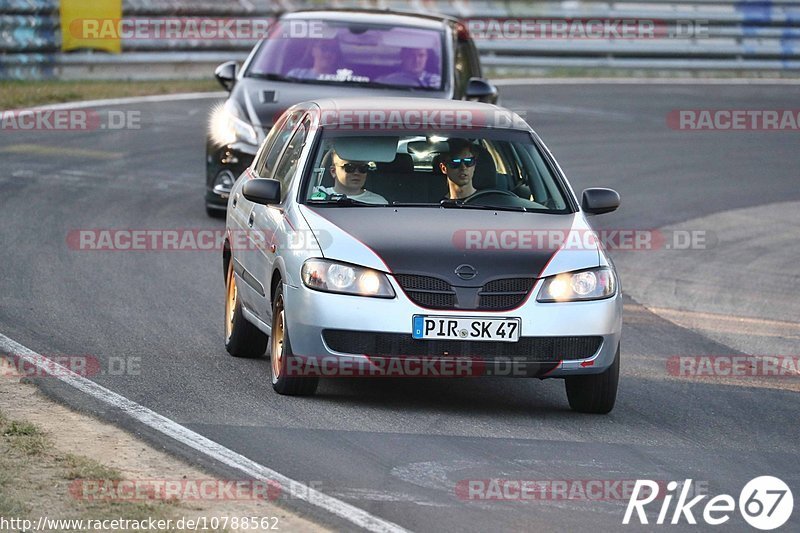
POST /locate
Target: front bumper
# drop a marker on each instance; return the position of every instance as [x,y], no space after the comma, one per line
[311,313]
[233,159]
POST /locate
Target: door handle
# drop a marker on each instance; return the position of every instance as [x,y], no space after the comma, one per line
[251,220]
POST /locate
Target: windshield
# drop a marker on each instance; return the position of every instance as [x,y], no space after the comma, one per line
[500,170]
[352,54]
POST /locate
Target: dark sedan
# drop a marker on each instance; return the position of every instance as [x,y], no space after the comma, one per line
[316,54]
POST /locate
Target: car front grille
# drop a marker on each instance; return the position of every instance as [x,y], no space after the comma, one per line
[495,295]
[534,349]
[433,300]
[427,291]
[412,282]
[504,294]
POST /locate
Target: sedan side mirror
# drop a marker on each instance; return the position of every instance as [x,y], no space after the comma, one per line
[226,74]
[598,201]
[262,191]
[481,90]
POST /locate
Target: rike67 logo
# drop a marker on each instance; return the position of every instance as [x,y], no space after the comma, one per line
[765,503]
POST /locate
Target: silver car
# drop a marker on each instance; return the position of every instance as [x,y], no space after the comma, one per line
[418,237]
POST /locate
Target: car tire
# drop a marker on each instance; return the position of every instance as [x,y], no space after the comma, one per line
[594,393]
[215,213]
[281,352]
[242,339]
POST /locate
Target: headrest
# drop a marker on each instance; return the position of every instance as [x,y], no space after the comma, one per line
[485,176]
[402,164]
[325,164]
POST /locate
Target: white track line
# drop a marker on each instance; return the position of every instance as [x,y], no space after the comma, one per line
[203,445]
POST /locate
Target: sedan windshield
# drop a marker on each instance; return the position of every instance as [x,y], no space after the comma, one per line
[352,54]
[499,170]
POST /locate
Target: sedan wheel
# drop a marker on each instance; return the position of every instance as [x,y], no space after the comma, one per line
[242,339]
[595,393]
[281,354]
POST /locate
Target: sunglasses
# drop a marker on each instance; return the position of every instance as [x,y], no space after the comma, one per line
[456,162]
[356,168]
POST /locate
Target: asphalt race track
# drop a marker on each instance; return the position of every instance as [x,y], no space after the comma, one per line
[399,448]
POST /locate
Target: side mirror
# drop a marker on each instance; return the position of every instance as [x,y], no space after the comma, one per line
[262,191]
[598,201]
[481,90]
[226,74]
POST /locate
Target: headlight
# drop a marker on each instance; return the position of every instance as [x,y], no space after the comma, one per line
[322,275]
[227,128]
[594,284]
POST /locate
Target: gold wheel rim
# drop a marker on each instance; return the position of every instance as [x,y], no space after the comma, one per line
[230,303]
[277,344]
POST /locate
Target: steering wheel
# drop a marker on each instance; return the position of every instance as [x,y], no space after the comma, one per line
[488,192]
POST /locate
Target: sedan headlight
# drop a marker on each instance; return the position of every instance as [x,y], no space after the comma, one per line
[227,128]
[329,276]
[594,284]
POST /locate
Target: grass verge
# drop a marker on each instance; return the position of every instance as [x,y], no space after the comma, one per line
[36,479]
[24,94]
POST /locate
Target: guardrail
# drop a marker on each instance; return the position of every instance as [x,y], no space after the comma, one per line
[736,35]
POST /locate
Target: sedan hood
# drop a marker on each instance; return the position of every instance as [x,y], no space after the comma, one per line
[263,101]
[437,241]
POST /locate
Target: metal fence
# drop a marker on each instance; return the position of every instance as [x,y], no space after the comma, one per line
[714,34]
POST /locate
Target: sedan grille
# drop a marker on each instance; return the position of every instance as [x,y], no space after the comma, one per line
[504,294]
[426,291]
[411,282]
[495,295]
[534,349]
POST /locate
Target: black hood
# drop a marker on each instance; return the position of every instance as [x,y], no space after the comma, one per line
[263,101]
[434,241]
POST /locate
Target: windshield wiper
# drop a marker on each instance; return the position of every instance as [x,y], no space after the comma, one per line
[268,76]
[455,204]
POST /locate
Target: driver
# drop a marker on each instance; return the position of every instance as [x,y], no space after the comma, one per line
[458,164]
[350,177]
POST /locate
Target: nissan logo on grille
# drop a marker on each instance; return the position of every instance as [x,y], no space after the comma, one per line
[466,272]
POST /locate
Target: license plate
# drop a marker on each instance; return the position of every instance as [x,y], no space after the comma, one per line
[466,329]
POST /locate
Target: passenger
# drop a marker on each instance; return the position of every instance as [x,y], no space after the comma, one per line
[458,164]
[414,61]
[350,177]
[326,56]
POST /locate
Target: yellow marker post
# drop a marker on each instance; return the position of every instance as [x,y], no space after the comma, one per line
[91,24]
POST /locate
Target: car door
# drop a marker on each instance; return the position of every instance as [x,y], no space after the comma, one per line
[268,220]
[247,244]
